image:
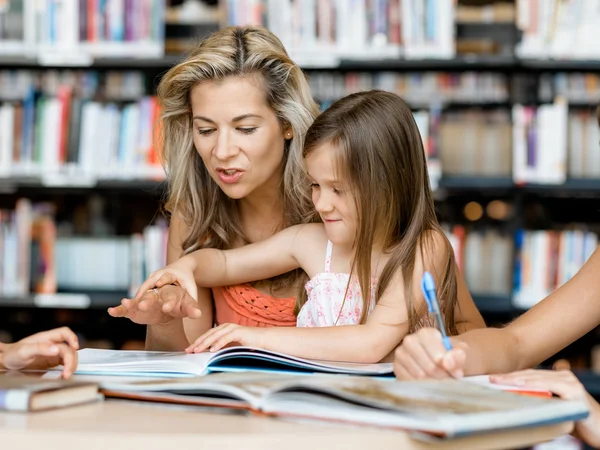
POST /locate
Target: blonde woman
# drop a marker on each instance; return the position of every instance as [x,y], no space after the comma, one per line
[234,115]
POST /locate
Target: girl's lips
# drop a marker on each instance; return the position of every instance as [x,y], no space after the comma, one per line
[230,176]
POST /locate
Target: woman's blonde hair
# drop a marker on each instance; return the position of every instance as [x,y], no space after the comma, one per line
[380,153]
[192,193]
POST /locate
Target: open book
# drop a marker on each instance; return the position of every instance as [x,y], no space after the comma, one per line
[232,359]
[431,409]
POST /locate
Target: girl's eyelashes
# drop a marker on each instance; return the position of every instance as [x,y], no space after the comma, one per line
[314,185]
[205,131]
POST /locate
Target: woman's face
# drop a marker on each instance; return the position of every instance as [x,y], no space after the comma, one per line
[238,136]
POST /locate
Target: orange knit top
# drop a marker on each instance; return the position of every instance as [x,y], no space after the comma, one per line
[245,305]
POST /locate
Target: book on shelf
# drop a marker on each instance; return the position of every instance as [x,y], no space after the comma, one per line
[34,259]
[25,393]
[50,122]
[473,246]
[231,359]
[431,409]
[548,29]
[540,143]
[546,260]
[319,33]
[75,32]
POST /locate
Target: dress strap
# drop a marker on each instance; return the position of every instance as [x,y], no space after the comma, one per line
[328,256]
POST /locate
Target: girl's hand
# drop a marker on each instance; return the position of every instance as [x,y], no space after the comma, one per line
[227,333]
[566,385]
[422,355]
[180,272]
[43,351]
[158,306]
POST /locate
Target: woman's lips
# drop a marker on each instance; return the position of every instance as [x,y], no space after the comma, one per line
[229,176]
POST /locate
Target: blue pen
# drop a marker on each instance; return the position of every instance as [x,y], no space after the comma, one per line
[428,287]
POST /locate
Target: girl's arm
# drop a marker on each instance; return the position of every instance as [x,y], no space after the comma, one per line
[557,321]
[466,315]
[274,256]
[371,342]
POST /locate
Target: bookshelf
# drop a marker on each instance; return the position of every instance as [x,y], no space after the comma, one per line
[452,86]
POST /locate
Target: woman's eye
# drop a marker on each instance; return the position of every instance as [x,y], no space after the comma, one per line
[314,186]
[247,130]
[337,191]
[204,131]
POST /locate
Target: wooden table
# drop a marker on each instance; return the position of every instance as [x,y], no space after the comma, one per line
[120,424]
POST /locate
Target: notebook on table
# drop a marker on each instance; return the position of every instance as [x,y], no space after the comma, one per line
[25,393]
[232,359]
[431,409]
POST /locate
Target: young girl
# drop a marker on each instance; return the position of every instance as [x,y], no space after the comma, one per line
[367,170]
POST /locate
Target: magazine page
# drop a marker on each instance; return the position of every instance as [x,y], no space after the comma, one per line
[441,407]
[141,363]
[248,358]
[247,387]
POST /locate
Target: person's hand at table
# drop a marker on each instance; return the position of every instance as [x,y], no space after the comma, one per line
[42,351]
[566,385]
[422,355]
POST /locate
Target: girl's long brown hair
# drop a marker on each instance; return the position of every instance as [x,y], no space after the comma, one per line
[381,153]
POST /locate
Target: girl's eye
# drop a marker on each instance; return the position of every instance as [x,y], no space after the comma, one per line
[314,186]
[204,131]
[247,130]
[337,191]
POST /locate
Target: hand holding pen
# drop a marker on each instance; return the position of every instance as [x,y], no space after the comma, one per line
[429,353]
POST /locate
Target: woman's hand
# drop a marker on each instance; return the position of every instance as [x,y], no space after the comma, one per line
[167,294]
[158,306]
[422,355]
[566,385]
[43,351]
[228,333]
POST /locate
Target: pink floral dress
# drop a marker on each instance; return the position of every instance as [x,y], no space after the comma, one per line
[326,306]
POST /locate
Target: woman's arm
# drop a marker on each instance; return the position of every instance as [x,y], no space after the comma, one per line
[561,318]
[371,342]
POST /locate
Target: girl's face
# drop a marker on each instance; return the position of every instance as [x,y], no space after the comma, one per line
[332,197]
[238,136]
